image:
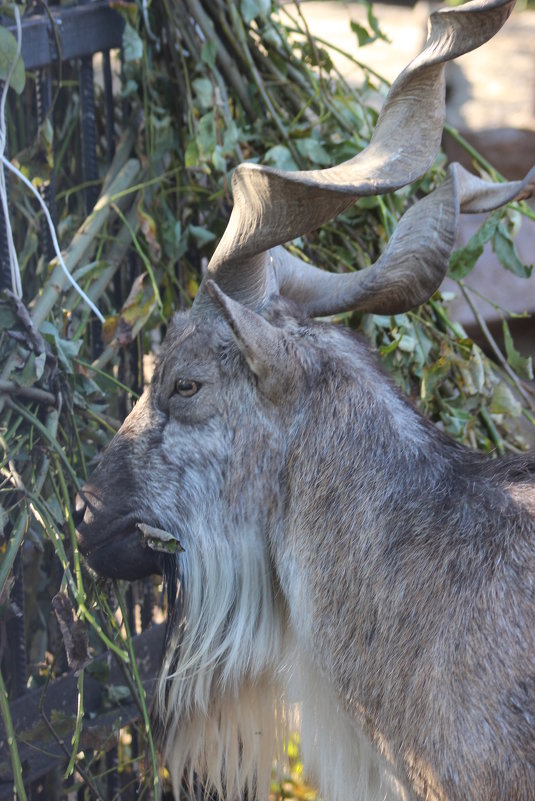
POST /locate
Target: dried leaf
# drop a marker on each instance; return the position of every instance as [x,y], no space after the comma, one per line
[37,161]
[149,231]
[159,540]
[98,737]
[73,631]
[109,328]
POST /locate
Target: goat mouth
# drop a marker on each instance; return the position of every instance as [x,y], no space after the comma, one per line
[124,555]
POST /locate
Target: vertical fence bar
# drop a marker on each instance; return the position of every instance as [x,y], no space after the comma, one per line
[88,128]
[16,632]
[109,106]
[43,98]
[89,159]
[113,783]
[5,269]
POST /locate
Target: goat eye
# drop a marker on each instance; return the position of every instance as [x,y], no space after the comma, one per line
[186,388]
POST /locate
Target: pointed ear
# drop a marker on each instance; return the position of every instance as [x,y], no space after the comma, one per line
[267,349]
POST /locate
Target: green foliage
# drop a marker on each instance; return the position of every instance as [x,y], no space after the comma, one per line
[368,35]
[8,52]
[497,230]
[212,89]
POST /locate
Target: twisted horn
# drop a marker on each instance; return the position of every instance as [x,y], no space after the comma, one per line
[272,206]
[413,265]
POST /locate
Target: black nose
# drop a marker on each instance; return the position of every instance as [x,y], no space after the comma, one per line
[79,510]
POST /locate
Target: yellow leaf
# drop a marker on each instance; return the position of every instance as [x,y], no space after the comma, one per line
[149,231]
[192,287]
[108,328]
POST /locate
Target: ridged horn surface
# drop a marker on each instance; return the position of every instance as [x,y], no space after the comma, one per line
[272,207]
[415,261]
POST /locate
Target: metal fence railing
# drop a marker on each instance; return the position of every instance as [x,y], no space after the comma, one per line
[58,47]
[59,35]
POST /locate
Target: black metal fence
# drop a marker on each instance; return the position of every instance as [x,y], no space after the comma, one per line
[59,40]
[68,37]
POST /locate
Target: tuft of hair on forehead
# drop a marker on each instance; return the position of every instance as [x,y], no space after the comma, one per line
[187,335]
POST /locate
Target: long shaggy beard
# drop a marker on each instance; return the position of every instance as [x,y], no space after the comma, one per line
[235,683]
[220,699]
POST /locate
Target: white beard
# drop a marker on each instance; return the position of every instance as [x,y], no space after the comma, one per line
[221,683]
[234,685]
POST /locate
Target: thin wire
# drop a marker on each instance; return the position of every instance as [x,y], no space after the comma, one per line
[15,271]
[62,264]
[16,282]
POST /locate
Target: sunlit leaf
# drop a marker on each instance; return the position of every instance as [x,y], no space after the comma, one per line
[191,156]
[65,349]
[207,136]
[280,157]
[504,402]
[202,236]
[8,52]
[462,261]
[477,369]
[373,22]
[251,9]
[407,343]
[204,92]
[505,250]
[209,53]
[364,37]
[523,365]
[313,151]
[132,44]
[192,287]
[433,375]
[218,159]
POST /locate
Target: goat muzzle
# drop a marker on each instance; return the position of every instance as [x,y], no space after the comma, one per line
[113,548]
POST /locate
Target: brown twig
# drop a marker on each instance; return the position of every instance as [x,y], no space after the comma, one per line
[32,393]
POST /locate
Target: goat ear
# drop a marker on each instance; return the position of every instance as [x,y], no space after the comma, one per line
[267,349]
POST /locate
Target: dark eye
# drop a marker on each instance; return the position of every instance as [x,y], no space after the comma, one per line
[186,388]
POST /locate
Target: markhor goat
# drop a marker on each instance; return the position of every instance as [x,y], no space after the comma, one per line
[346,568]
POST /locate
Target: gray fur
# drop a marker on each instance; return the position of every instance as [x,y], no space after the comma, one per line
[347,569]
[341,554]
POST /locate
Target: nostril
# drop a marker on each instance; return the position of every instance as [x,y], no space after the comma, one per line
[79,510]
